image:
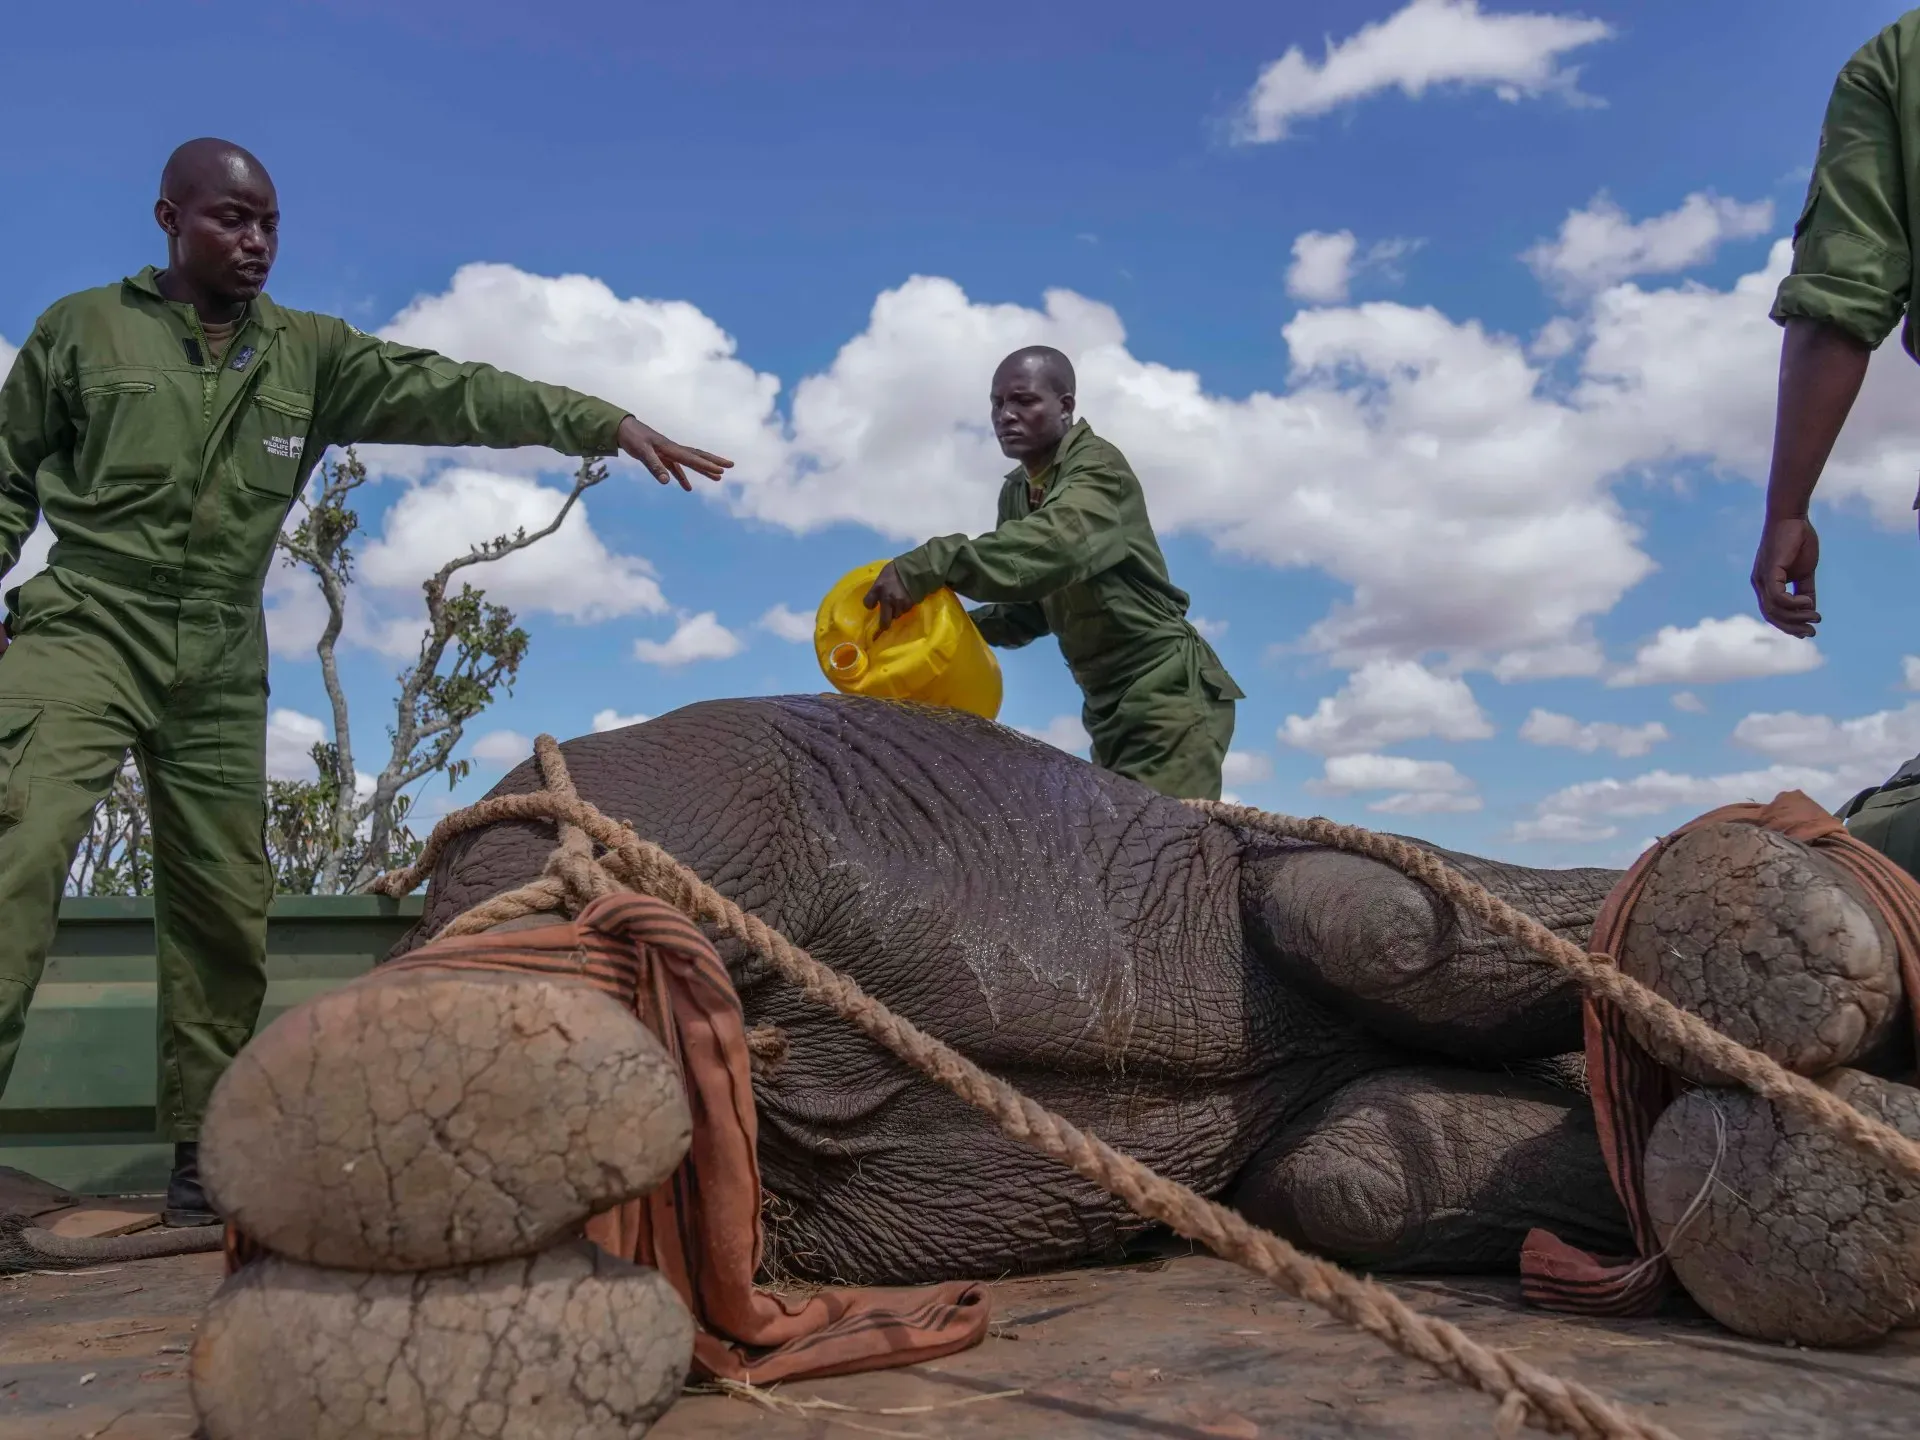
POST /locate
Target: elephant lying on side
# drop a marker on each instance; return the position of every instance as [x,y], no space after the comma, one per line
[1306,1034]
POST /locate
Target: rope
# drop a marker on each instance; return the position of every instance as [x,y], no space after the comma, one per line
[26,1247]
[1525,1393]
[1599,976]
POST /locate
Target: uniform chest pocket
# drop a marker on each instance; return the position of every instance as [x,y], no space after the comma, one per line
[123,439]
[272,443]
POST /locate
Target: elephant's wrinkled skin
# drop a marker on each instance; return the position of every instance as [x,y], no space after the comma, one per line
[1305,1033]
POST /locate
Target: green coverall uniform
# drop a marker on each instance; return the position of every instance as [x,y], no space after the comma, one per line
[1856,266]
[1083,565]
[165,474]
[1854,260]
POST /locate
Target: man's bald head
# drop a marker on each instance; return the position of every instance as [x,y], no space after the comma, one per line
[1042,365]
[207,164]
[221,216]
[1032,403]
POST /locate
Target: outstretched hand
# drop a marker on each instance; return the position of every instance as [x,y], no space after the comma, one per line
[667,459]
[1783,575]
[889,596]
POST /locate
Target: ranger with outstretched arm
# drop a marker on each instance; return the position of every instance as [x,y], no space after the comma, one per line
[1074,555]
[1856,272]
[163,426]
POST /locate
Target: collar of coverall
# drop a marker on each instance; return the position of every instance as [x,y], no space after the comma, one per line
[1075,434]
[260,308]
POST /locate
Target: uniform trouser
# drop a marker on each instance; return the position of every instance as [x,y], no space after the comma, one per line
[93,671]
[1178,751]
[1168,729]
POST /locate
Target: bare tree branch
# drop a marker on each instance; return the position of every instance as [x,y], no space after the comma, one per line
[433,707]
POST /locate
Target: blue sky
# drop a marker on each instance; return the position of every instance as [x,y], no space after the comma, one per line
[1428,486]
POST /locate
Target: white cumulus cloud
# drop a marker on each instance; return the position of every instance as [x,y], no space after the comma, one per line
[1740,647]
[666,358]
[1063,732]
[1559,827]
[1432,467]
[502,747]
[1325,264]
[1829,759]
[1421,787]
[604,720]
[699,637]
[1861,751]
[788,625]
[1426,44]
[1385,702]
[1322,266]
[1585,812]
[1545,727]
[1246,767]
[1687,703]
[1566,659]
[291,737]
[1426,802]
[570,573]
[1602,245]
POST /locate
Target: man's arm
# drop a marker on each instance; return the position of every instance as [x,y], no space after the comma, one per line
[1009,626]
[1852,272]
[1072,537]
[1821,368]
[380,392]
[33,425]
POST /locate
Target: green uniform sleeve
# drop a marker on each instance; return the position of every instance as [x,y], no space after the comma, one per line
[380,392]
[33,425]
[1075,535]
[1008,627]
[1852,254]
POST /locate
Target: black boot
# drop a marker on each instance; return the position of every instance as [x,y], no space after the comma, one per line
[186,1201]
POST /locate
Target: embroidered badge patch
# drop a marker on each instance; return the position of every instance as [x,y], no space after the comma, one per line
[240,360]
[285,447]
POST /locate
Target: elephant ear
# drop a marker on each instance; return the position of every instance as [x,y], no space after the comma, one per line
[1385,951]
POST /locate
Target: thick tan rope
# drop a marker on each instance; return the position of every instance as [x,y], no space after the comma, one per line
[1600,977]
[1526,1394]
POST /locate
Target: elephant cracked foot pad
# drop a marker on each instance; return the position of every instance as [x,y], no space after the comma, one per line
[425,1118]
[567,1343]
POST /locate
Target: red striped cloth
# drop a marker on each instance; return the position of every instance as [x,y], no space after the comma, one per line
[1630,1088]
[702,1228]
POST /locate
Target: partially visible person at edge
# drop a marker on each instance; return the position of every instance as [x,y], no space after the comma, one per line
[1074,555]
[1856,270]
[163,426]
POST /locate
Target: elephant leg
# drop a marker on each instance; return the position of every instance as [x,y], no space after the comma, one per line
[1384,950]
[1437,1170]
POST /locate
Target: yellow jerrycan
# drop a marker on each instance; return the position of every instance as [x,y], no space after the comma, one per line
[932,654]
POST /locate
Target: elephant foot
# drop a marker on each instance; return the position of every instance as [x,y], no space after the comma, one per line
[426,1118]
[1769,942]
[570,1342]
[1781,1230]
[1383,950]
[1435,1169]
